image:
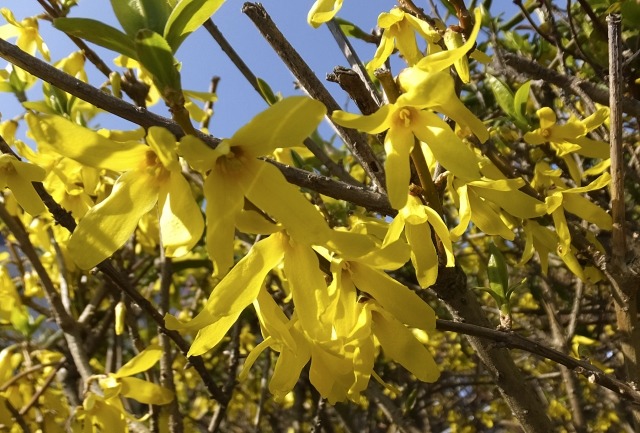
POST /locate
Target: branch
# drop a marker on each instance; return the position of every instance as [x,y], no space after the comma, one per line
[599,94]
[334,168]
[515,341]
[311,84]
[146,119]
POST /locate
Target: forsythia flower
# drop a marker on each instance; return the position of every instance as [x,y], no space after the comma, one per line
[570,137]
[234,172]
[412,117]
[483,201]
[17,176]
[401,27]
[152,178]
[26,32]
[107,411]
[456,52]
[323,11]
[417,220]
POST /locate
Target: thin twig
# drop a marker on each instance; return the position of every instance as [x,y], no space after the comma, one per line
[515,341]
[599,94]
[354,61]
[334,168]
[355,141]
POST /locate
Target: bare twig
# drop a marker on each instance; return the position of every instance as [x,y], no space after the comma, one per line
[353,59]
[515,341]
[334,168]
[599,94]
[311,84]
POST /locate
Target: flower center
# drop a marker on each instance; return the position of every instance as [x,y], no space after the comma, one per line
[404,117]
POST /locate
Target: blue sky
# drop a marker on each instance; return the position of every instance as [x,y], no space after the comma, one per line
[202,59]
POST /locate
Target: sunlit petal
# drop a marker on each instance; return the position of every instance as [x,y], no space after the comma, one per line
[394,297]
[398,145]
[373,124]
[108,225]
[145,392]
[285,124]
[400,345]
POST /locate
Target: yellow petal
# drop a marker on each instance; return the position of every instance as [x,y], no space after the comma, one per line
[547,117]
[323,11]
[287,369]
[448,149]
[239,287]
[400,345]
[285,124]
[269,191]
[406,44]
[84,145]
[253,356]
[373,123]
[587,210]
[108,225]
[141,362]
[145,392]
[443,233]
[163,144]
[394,297]
[423,253]
[225,199]
[437,91]
[209,336]
[398,144]
[17,176]
[273,321]
[248,221]
[181,222]
[444,59]
[488,219]
[200,156]
[464,212]
[308,286]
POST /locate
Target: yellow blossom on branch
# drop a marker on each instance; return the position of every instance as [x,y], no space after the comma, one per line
[17,176]
[399,29]
[26,32]
[411,117]
[234,173]
[152,179]
[323,11]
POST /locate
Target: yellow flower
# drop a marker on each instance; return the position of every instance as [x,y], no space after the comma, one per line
[323,11]
[234,172]
[570,137]
[26,32]
[487,203]
[17,176]
[401,27]
[108,411]
[417,220]
[456,52]
[412,117]
[338,331]
[152,179]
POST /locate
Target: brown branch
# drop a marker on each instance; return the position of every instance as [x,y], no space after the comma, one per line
[146,119]
[355,141]
[529,410]
[625,290]
[515,341]
[599,94]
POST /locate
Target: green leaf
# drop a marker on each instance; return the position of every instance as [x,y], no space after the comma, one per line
[98,33]
[502,93]
[498,273]
[520,103]
[154,53]
[266,92]
[350,29]
[506,101]
[135,15]
[129,15]
[186,17]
